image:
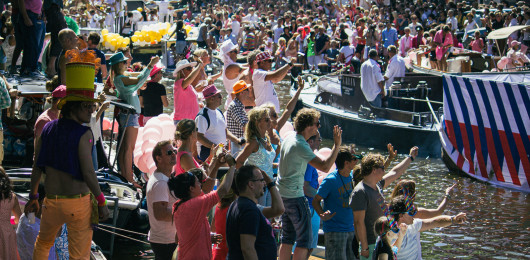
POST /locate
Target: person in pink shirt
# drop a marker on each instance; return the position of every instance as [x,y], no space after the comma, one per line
[443,40]
[189,212]
[478,43]
[51,113]
[187,134]
[184,94]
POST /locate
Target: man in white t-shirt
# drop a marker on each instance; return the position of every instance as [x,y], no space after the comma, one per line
[211,124]
[372,81]
[160,202]
[396,67]
[403,211]
[264,78]
[251,18]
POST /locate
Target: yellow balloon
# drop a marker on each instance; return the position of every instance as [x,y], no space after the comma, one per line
[104,31]
[188,29]
[113,42]
[127,40]
[124,43]
[137,33]
[105,37]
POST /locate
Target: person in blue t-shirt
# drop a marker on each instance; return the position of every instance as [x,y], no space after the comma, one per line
[310,190]
[93,42]
[337,216]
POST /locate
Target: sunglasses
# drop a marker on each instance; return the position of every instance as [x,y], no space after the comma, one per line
[188,68]
[318,123]
[267,119]
[234,51]
[380,167]
[274,115]
[171,152]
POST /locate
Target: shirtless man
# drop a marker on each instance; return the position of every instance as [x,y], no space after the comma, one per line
[64,154]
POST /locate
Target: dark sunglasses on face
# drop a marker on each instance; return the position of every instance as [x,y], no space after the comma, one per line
[318,123]
[171,152]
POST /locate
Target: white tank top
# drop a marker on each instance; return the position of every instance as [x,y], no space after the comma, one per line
[229,84]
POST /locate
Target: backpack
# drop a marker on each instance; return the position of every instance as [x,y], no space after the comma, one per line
[204,112]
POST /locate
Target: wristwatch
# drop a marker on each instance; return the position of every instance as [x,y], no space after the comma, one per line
[411,158]
[271,184]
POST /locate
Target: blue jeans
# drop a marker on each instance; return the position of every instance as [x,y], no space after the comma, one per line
[377,102]
[33,38]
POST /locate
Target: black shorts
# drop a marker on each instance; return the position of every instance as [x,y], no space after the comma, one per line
[433,56]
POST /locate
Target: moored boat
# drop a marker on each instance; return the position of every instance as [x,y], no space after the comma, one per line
[414,107]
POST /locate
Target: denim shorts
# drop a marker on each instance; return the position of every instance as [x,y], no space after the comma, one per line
[133,120]
[296,223]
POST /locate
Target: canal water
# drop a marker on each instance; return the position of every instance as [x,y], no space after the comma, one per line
[498,225]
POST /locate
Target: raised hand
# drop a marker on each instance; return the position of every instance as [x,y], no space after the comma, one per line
[337,135]
[391,152]
[414,152]
[460,218]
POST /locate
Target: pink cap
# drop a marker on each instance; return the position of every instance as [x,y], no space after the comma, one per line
[59,92]
[154,71]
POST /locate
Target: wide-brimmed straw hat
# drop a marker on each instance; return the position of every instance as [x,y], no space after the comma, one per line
[183,64]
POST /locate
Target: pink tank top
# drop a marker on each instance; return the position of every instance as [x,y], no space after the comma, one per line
[185,101]
[178,168]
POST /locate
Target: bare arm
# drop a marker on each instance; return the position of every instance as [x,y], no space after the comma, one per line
[223,189]
[277,75]
[277,208]
[191,77]
[250,147]
[87,168]
[290,105]
[324,215]
[161,211]
[165,103]
[399,169]
[247,247]
[431,213]
[103,69]
[17,212]
[36,173]
[442,221]
[360,229]
[203,140]
[231,136]
[325,165]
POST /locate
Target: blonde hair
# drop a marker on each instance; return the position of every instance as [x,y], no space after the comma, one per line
[254,116]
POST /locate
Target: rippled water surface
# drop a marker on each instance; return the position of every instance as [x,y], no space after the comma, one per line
[498,225]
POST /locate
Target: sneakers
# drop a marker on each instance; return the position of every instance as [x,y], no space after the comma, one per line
[12,70]
[35,75]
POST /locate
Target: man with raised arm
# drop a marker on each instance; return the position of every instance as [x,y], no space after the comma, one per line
[367,196]
[294,156]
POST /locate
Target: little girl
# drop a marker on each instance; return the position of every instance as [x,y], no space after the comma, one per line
[8,206]
[387,232]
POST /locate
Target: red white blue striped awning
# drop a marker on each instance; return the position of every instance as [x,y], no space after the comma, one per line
[486,129]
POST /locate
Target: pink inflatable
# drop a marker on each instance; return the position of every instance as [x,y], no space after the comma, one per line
[287,128]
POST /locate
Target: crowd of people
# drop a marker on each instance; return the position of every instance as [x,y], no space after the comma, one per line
[269,178]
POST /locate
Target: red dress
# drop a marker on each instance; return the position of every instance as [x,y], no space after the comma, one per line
[220,228]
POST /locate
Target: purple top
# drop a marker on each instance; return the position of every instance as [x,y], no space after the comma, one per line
[60,144]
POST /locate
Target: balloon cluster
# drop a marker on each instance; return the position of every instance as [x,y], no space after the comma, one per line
[151,34]
[157,129]
[114,41]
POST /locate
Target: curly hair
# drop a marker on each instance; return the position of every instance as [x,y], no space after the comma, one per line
[254,116]
[403,185]
[370,162]
[185,128]
[305,118]
[52,84]
[6,187]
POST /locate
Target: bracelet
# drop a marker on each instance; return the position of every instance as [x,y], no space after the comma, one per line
[101,200]
[34,196]
[411,158]
[365,250]
[447,196]
[271,184]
